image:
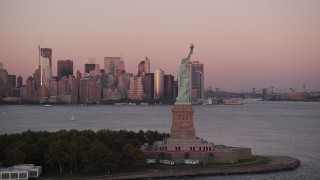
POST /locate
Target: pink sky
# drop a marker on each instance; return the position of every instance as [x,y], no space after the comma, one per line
[243,43]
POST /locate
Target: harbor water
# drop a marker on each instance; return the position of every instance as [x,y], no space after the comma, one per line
[269,128]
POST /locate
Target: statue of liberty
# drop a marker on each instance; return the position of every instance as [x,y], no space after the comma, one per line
[184,80]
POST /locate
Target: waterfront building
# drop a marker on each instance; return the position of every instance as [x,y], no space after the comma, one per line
[158,84]
[169,87]
[64,68]
[74,89]
[114,66]
[122,85]
[63,86]
[110,94]
[135,91]
[91,70]
[19,81]
[12,81]
[94,90]
[148,86]
[79,75]
[23,92]
[147,65]
[45,65]
[30,87]
[144,67]
[37,78]
[84,90]
[196,81]
[3,83]
[43,93]
[53,87]
[128,76]
[141,70]
[3,76]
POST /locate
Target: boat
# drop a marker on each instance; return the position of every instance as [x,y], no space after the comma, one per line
[47,105]
[144,104]
[72,118]
[233,102]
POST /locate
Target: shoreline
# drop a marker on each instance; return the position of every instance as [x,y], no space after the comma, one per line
[277,163]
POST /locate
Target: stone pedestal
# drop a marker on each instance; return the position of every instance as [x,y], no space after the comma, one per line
[182,122]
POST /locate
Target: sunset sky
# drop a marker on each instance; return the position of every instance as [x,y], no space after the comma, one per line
[242,43]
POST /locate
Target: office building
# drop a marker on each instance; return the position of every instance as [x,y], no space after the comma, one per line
[3,76]
[148,86]
[53,84]
[37,78]
[91,70]
[45,65]
[84,90]
[135,91]
[12,81]
[141,70]
[197,80]
[147,65]
[144,67]
[169,87]
[30,85]
[19,81]
[64,68]
[158,84]
[63,86]
[122,85]
[94,91]
[114,66]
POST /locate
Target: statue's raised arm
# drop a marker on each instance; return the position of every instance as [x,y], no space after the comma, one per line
[184,80]
[191,51]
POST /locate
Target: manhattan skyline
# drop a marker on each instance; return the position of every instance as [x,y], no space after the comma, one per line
[242,44]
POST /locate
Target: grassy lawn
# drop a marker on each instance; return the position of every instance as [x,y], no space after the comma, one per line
[254,161]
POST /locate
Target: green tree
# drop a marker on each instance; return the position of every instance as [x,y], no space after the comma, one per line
[96,157]
[132,157]
[57,153]
[15,153]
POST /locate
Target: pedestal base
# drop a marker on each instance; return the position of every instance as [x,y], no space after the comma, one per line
[182,122]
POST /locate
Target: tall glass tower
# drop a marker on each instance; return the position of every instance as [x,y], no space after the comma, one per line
[45,65]
[158,84]
[197,80]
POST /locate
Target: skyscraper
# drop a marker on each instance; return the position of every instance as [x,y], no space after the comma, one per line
[12,81]
[158,84]
[169,87]
[45,65]
[64,68]
[19,81]
[148,86]
[135,91]
[144,67]
[30,85]
[141,69]
[91,70]
[114,66]
[147,65]
[84,90]
[197,80]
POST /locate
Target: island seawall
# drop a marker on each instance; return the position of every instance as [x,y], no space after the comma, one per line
[277,163]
